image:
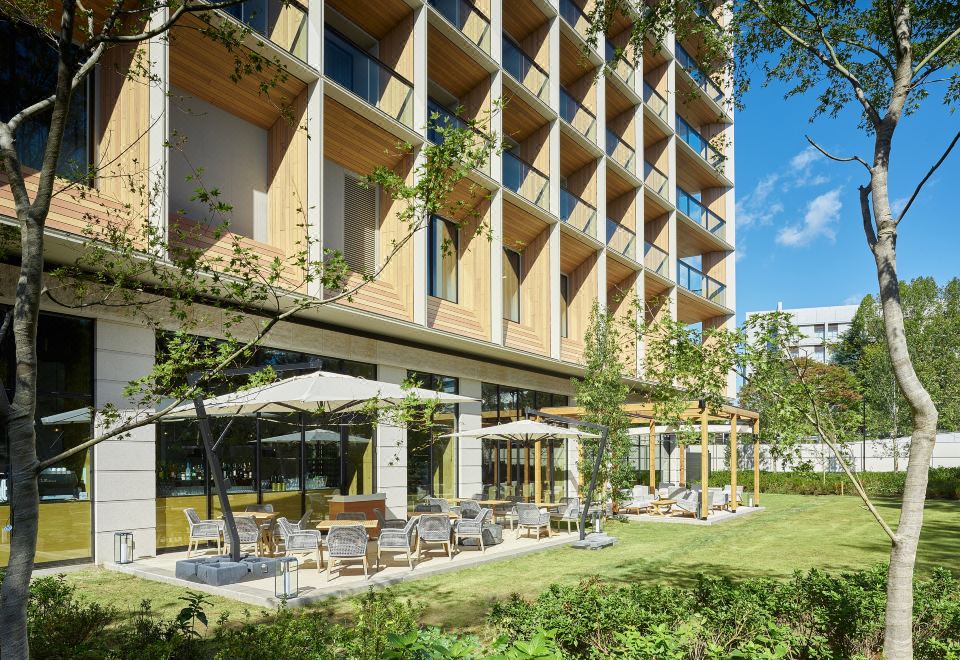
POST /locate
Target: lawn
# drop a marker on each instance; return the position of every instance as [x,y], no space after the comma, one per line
[796,532]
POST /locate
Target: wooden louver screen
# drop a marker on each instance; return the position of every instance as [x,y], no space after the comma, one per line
[359,225]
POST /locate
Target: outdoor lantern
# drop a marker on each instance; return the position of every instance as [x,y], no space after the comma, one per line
[123,547]
[285,583]
[751,501]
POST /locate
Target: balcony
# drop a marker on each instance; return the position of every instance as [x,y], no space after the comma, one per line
[284,24]
[710,154]
[655,259]
[694,209]
[524,70]
[655,179]
[575,17]
[526,180]
[621,239]
[623,70]
[469,20]
[655,101]
[576,114]
[578,213]
[439,116]
[367,77]
[695,281]
[620,151]
[702,80]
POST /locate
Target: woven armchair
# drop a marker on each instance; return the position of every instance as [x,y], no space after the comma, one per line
[351,515]
[434,529]
[202,530]
[426,508]
[440,502]
[471,528]
[530,517]
[249,532]
[389,523]
[298,541]
[569,513]
[258,508]
[347,543]
[688,502]
[469,508]
[397,540]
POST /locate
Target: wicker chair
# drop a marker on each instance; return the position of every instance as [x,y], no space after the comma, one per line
[304,522]
[726,490]
[469,508]
[396,540]
[426,508]
[249,532]
[346,543]
[689,502]
[351,515]
[570,513]
[435,529]
[471,528]
[389,523]
[529,516]
[440,502]
[298,541]
[258,508]
[202,530]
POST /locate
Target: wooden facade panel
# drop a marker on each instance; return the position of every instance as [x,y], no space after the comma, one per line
[623,210]
[582,293]
[377,18]
[450,67]
[522,19]
[355,143]
[573,156]
[286,208]
[536,149]
[396,47]
[532,333]
[583,182]
[72,210]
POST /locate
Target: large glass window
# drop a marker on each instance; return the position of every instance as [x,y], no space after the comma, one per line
[564,305]
[443,250]
[294,462]
[511,285]
[65,346]
[432,459]
[30,76]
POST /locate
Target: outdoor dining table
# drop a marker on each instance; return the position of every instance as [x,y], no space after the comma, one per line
[325,525]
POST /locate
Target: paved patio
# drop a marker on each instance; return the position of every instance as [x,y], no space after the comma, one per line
[716,517]
[314,586]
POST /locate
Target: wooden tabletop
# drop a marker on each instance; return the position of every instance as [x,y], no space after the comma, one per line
[325,525]
[259,516]
[486,503]
[663,502]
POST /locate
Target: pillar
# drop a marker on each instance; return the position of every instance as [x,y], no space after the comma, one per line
[733,462]
[704,466]
[683,464]
[653,445]
[756,462]
[537,471]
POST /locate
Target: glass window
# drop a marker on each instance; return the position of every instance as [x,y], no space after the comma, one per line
[833,330]
[818,330]
[564,305]
[511,285]
[489,404]
[431,459]
[443,250]
[30,77]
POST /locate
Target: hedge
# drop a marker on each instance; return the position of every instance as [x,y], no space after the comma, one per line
[944,482]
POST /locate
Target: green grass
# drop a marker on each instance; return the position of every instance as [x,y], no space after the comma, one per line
[796,532]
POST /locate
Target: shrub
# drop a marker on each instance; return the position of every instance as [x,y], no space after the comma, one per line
[944,483]
[61,625]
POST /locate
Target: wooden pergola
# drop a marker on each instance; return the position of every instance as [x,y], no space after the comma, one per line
[726,414]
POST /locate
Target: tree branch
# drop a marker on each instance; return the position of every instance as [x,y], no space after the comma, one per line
[933,53]
[930,172]
[839,159]
[867,218]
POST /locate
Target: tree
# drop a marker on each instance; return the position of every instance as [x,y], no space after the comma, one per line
[157,275]
[885,58]
[601,392]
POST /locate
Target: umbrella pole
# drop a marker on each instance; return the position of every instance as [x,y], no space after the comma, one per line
[216,470]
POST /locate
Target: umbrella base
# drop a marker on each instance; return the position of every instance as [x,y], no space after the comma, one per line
[594,542]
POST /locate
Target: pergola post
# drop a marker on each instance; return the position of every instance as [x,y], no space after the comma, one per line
[653,445]
[756,462]
[704,466]
[683,464]
[537,476]
[733,462]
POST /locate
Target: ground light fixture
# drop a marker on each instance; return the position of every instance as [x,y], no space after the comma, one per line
[123,547]
[286,581]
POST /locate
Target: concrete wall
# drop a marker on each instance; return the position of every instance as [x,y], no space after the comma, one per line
[468,449]
[124,482]
[392,454]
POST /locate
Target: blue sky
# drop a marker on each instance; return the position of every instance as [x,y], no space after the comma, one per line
[799,235]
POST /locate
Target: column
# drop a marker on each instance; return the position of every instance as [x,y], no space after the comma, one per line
[469,455]
[314,202]
[756,462]
[733,462]
[653,457]
[124,479]
[419,125]
[704,466]
[391,456]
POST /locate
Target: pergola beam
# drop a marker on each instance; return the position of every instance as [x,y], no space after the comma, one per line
[646,411]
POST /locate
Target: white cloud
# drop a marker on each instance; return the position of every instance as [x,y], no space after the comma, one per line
[763,204]
[803,160]
[898,205]
[853,299]
[822,213]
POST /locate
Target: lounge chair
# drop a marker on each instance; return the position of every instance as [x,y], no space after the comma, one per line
[640,498]
[347,543]
[396,540]
[434,529]
[726,491]
[569,513]
[531,517]
[202,530]
[471,528]
[298,541]
[688,502]
[389,523]
[718,499]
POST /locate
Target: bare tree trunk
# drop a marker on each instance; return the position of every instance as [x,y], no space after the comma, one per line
[898,634]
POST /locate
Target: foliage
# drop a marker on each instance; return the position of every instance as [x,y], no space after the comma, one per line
[812,615]
[601,392]
[943,483]
[61,624]
[932,328]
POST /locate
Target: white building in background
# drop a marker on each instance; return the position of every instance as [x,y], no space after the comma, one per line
[821,328]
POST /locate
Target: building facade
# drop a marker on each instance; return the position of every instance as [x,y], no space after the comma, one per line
[820,327]
[612,187]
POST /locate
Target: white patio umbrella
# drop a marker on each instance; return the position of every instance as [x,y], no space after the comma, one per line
[317,392]
[525,430]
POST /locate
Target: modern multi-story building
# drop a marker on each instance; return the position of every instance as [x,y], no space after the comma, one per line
[612,186]
[820,327]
